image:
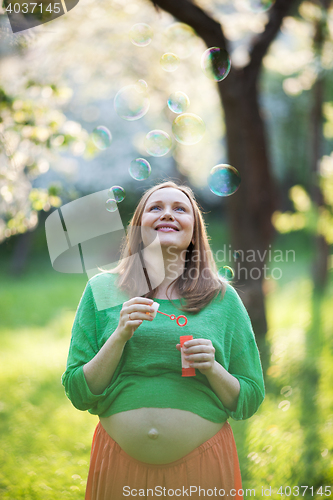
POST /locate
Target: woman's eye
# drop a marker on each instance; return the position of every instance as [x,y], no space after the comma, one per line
[157,207]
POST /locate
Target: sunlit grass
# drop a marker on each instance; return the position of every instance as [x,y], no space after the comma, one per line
[290,439]
[45,442]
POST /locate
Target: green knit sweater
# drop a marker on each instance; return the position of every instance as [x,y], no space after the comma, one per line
[149,372]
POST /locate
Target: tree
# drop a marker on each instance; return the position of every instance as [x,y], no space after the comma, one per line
[321,244]
[251,208]
[32,131]
[313,201]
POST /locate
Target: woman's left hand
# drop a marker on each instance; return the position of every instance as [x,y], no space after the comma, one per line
[200,353]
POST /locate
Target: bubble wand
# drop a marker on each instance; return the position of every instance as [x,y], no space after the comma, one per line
[187,370]
[173,317]
[156,305]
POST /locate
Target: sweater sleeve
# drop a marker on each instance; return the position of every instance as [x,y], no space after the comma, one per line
[83,347]
[245,364]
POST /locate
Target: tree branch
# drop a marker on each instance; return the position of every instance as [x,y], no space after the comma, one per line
[261,43]
[206,27]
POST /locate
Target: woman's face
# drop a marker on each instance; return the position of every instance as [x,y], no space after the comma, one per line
[169,212]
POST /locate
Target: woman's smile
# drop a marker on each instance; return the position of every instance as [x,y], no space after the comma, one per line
[166,229]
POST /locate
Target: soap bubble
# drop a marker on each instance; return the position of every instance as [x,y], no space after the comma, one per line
[178,102]
[111,205]
[101,137]
[118,193]
[169,62]
[141,86]
[224,180]
[257,6]
[157,143]
[226,273]
[141,34]
[180,39]
[215,63]
[236,255]
[188,128]
[132,102]
[140,169]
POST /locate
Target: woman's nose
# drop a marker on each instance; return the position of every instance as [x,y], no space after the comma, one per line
[166,214]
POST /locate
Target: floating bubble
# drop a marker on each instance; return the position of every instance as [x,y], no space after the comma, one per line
[236,255]
[111,205]
[188,128]
[224,180]
[101,137]
[226,273]
[140,169]
[132,102]
[284,405]
[169,62]
[257,6]
[157,143]
[178,102]
[180,39]
[286,390]
[141,34]
[142,86]
[216,64]
[118,193]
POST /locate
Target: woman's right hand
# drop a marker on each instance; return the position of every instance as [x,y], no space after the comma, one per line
[136,308]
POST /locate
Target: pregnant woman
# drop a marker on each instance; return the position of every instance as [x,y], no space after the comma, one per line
[161,433]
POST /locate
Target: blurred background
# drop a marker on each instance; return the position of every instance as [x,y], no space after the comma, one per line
[271,118]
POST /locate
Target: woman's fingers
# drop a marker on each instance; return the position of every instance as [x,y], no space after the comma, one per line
[138,308]
[205,346]
[200,353]
[201,357]
[196,342]
[197,346]
[138,300]
[200,348]
[133,312]
[142,313]
[202,362]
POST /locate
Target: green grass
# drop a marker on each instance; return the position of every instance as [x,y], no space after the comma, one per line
[45,442]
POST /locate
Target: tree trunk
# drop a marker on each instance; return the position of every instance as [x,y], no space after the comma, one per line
[321,248]
[319,265]
[21,253]
[251,207]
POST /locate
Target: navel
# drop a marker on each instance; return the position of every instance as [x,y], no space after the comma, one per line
[153,434]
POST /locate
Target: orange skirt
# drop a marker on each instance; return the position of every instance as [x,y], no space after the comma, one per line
[210,470]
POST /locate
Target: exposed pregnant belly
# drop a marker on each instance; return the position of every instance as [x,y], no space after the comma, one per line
[159,435]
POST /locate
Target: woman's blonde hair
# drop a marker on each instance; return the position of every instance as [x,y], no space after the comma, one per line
[199,283]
